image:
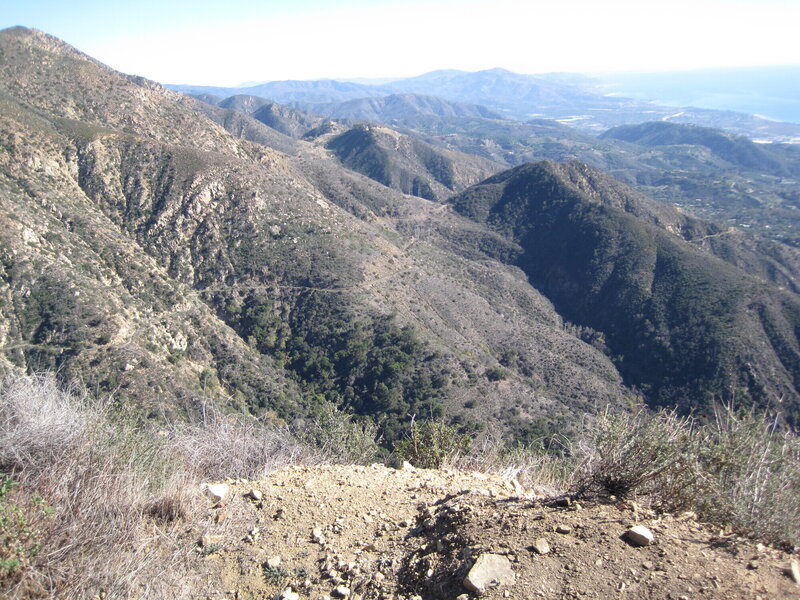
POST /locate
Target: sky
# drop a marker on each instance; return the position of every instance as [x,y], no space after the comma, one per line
[229,43]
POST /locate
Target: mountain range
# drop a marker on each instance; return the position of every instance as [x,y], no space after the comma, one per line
[395,255]
[576,100]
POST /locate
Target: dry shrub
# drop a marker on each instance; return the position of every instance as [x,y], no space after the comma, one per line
[547,469]
[641,452]
[750,476]
[740,470]
[215,446]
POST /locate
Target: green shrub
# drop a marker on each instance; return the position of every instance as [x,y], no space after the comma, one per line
[430,443]
[337,436]
[20,530]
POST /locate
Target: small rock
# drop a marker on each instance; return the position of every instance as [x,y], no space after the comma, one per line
[288,594]
[793,571]
[640,535]
[407,466]
[490,570]
[341,591]
[256,495]
[564,529]
[216,491]
[541,546]
[317,535]
[274,562]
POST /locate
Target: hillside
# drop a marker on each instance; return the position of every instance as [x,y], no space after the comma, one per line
[330,288]
[407,164]
[739,151]
[273,283]
[685,326]
[192,296]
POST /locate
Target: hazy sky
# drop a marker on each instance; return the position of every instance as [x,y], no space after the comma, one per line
[234,41]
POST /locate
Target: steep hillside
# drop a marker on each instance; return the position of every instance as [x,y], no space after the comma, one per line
[201,264]
[685,327]
[407,164]
[291,122]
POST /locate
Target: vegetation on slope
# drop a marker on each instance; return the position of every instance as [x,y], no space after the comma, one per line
[681,324]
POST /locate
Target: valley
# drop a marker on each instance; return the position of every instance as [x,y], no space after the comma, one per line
[329,339]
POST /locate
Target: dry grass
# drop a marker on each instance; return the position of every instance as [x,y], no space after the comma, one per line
[740,470]
[90,503]
[548,471]
[97,503]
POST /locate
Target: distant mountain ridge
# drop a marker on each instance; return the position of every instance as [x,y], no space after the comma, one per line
[171,250]
[574,99]
[780,160]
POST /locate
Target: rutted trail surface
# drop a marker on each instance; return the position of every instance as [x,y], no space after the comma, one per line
[376,532]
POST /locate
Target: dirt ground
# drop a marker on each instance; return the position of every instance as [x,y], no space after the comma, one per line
[376,532]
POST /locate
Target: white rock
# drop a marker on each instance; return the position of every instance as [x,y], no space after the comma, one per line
[541,546]
[274,562]
[288,594]
[317,535]
[216,491]
[640,535]
[490,570]
[255,494]
[341,591]
[793,571]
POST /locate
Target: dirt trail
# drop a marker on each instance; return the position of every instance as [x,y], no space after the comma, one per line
[376,532]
